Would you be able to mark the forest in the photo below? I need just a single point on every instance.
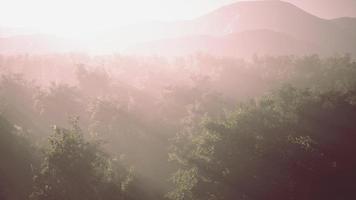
(198, 127)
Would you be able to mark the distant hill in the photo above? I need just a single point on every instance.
(241, 44)
(346, 23)
(328, 9)
(239, 29)
(37, 44)
(277, 18)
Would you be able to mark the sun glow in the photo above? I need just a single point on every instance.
(88, 18)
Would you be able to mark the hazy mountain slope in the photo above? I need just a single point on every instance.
(277, 16)
(328, 9)
(346, 23)
(242, 44)
(290, 22)
(37, 44)
(293, 25)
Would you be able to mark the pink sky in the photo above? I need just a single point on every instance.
(71, 16)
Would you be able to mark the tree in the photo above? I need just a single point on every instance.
(76, 169)
(293, 144)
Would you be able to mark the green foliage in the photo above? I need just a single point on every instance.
(185, 181)
(283, 146)
(58, 103)
(269, 128)
(76, 169)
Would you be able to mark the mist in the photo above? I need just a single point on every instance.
(231, 100)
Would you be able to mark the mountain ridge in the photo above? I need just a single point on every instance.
(241, 44)
(279, 18)
(327, 36)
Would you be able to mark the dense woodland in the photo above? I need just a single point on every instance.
(199, 127)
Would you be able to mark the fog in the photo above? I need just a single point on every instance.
(219, 107)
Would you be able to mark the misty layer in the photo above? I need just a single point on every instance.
(199, 127)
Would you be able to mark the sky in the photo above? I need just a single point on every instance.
(55, 15)
(67, 17)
